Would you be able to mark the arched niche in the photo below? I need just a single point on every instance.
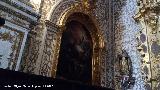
(60, 16)
(76, 51)
(98, 45)
(83, 16)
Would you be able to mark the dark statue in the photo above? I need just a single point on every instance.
(75, 57)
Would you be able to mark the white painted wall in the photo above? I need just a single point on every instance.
(129, 40)
(6, 46)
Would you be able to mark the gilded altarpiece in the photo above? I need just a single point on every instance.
(57, 14)
(118, 26)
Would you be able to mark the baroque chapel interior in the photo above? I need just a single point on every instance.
(80, 44)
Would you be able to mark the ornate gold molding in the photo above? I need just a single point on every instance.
(62, 10)
(148, 16)
(97, 38)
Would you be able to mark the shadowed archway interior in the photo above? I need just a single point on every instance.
(75, 56)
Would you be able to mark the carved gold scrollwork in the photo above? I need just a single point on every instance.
(148, 16)
(89, 4)
(97, 37)
(50, 53)
(152, 20)
(59, 16)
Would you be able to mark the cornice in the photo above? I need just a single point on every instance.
(26, 3)
(14, 4)
(17, 14)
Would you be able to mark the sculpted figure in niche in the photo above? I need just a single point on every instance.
(75, 57)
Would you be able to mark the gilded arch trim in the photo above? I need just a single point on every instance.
(98, 40)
